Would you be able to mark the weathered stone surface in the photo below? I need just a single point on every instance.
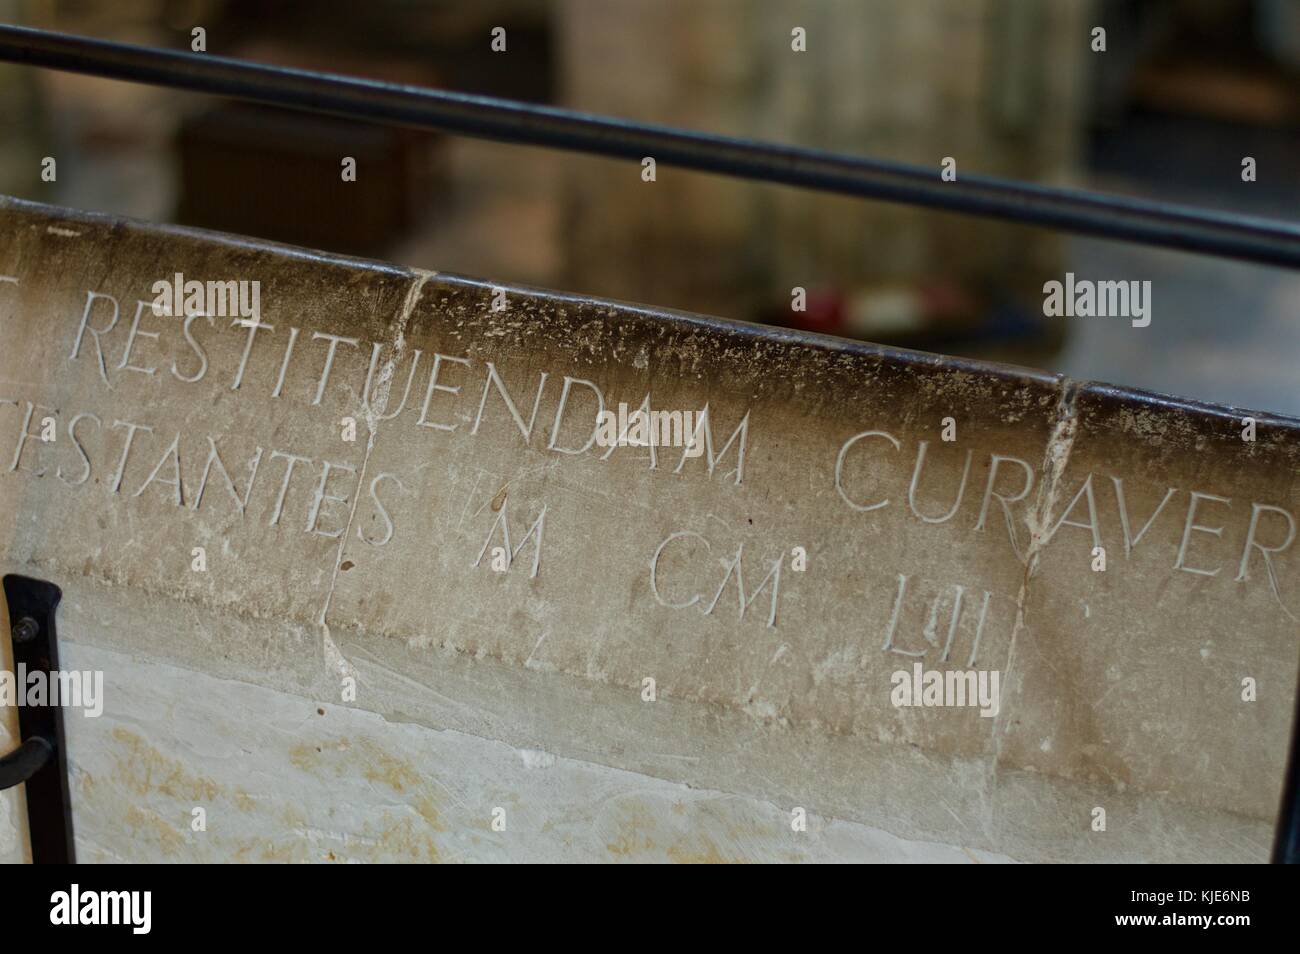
(329, 560)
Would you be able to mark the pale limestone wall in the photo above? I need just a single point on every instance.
(302, 782)
(524, 689)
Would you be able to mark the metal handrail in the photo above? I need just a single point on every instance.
(1249, 238)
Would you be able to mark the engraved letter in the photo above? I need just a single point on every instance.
(494, 378)
(126, 449)
(1255, 510)
(173, 451)
(1123, 514)
(135, 332)
(214, 458)
(293, 461)
(702, 422)
(24, 433)
(1005, 502)
(381, 511)
(198, 350)
(1084, 491)
(76, 442)
(774, 574)
(559, 414)
(384, 389)
(334, 341)
(95, 333)
(1190, 525)
(322, 496)
(248, 349)
(503, 521)
(654, 570)
(839, 467)
(438, 359)
(916, 477)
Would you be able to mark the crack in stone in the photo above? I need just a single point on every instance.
(334, 658)
(1060, 443)
(1056, 456)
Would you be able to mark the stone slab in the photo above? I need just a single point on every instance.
(333, 562)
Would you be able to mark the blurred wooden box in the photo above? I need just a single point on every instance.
(278, 175)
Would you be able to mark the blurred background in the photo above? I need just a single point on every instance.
(1184, 90)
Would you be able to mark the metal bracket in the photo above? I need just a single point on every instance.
(41, 760)
(1286, 837)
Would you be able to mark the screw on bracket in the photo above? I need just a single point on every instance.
(25, 630)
